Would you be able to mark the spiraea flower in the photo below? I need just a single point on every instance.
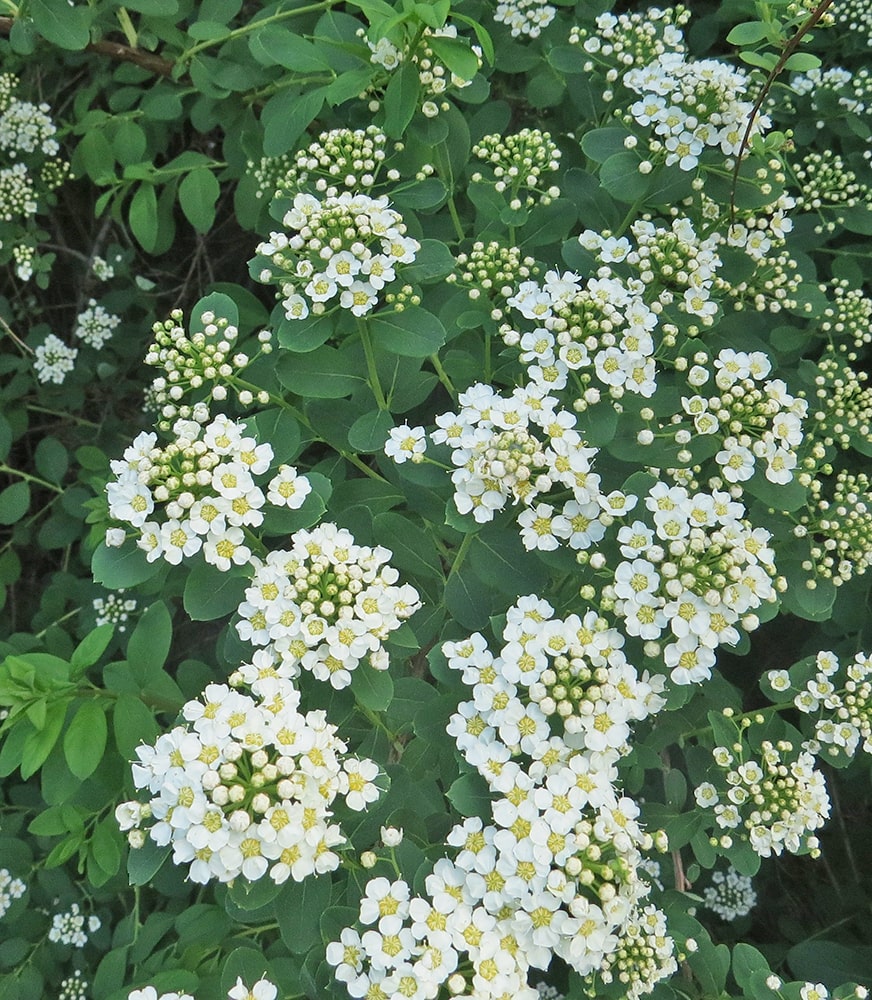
(95, 325)
(198, 492)
(53, 360)
(114, 609)
(730, 895)
(517, 164)
(622, 41)
(73, 927)
(11, 888)
(325, 604)
(245, 786)
(202, 362)
(339, 252)
(525, 17)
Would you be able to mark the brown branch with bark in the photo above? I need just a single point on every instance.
(115, 50)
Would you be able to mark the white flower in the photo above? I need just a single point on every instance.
(405, 442)
(287, 488)
(263, 989)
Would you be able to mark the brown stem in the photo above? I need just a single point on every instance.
(789, 49)
(115, 50)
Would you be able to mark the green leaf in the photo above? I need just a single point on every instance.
(297, 910)
(85, 739)
(368, 433)
(274, 45)
(412, 333)
(51, 459)
(749, 32)
(470, 796)
(747, 961)
(456, 54)
(324, 373)
(121, 568)
(132, 723)
(830, 962)
(282, 431)
(142, 215)
(91, 648)
(373, 689)
(149, 645)
(145, 862)
(198, 194)
(601, 143)
(427, 193)
(40, 742)
(14, 502)
(620, 176)
(802, 62)
(62, 24)
(285, 117)
(411, 547)
(211, 594)
(401, 99)
(302, 335)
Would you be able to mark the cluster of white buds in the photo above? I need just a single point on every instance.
(839, 697)
(844, 401)
(494, 271)
(246, 786)
(325, 604)
(840, 530)
(847, 320)
(203, 362)
(775, 803)
(525, 17)
(518, 161)
(622, 41)
(73, 987)
(199, 492)
(850, 89)
(342, 251)
(772, 287)
(825, 181)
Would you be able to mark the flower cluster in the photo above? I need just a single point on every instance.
(525, 17)
(53, 360)
(692, 105)
(692, 569)
(558, 871)
(840, 697)
(72, 927)
(246, 786)
(30, 170)
(492, 270)
(73, 987)
(775, 803)
(518, 162)
(851, 91)
(844, 399)
(114, 609)
(517, 448)
(825, 181)
(622, 41)
(263, 989)
(847, 319)
(325, 604)
(435, 78)
(730, 895)
(150, 993)
(840, 529)
(11, 888)
(344, 249)
(756, 419)
(340, 158)
(203, 360)
(95, 325)
(557, 686)
(205, 483)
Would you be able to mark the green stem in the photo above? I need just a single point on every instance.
(30, 479)
(282, 15)
(461, 554)
(67, 417)
(444, 377)
(371, 368)
(443, 162)
(376, 720)
(258, 95)
(769, 710)
(57, 621)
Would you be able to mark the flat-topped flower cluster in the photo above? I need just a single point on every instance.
(325, 604)
(342, 251)
(198, 492)
(246, 786)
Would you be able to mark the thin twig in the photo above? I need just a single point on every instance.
(789, 49)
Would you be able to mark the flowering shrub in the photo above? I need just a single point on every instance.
(436, 502)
